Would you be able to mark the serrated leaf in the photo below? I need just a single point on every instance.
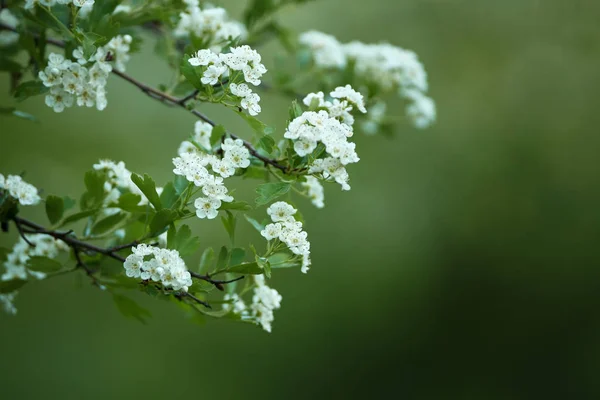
(180, 184)
(94, 183)
(130, 309)
(108, 223)
(55, 208)
(43, 264)
(182, 241)
(206, 260)
(11, 286)
(268, 192)
(148, 187)
(250, 268)
(161, 220)
(129, 202)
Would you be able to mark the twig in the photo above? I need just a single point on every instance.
(20, 229)
(197, 300)
(217, 283)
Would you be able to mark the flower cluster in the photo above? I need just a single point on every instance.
(29, 4)
(315, 191)
(84, 81)
(264, 301)
(326, 50)
(382, 66)
(211, 24)
(242, 59)
(193, 165)
(16, 261)
(331, 126)
(201, 136)
(159, 265)
(286, 229)
(25, 193)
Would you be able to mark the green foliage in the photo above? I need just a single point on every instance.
(148, 187)
(161, 220)
(130, 309)
(250, 268)
(257, 225)
(206, 260)
(229, 222)
(270, 191)
(257, 125)
(235, 205)
(181, 240)
(11, 286)
(107, 224)
(55, 208)
(29, 89)
(43, 264)
(94, 195)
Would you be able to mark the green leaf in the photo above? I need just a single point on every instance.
(270, 191)
(190, 73)
(29, 89)
(250, 268)
(183, 242)
(237, 256)
(130, 309)
(257, 125)
(129, 202)
(169, 195)
(94, 183)
(148, 187)
(68, 203)
(161, 220)
(217, 134)
(265, 265)
(108, 223)
(229, 223)
(235, 205)
(223, 258)
(295, 110)
(4, 252)
(267, 143)
(77, 216)
(180, 184)
(206, 260)
(257, 225)
(9, 65)
(11, 286)
(43, 264)
(55, 208)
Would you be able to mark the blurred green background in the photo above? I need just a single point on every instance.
(463, 264)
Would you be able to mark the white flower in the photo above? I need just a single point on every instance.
(241, 90)
(58, 99)
(25, 193)
(16, 261)
(281, 211)
(354, 97)
(203, 57)
(271, 231)
(264, 301)
(327, 52)
(211, 24)
(212, 74)
(160, 265)
(422, 109)
(317, 98)
(202, 133)
(315, 191)
(207, 207)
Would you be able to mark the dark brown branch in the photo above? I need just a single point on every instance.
(112, 252)
(197, 300)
